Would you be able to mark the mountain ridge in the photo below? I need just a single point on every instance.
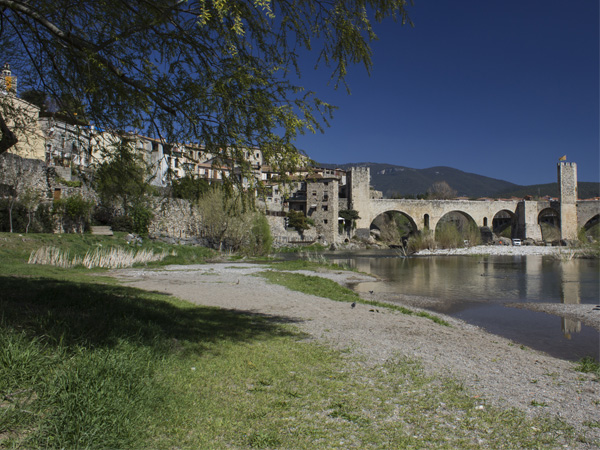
(394, 180)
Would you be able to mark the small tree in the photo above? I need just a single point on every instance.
(189, 188)
(298, 221)
(16, 173)
(78, 210)
(225, 220)
(123, 182)
(350, 217)
(440, 190)
(75, 209)
(260, 237)
(30, 199)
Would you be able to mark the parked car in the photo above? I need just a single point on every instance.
(516, 242)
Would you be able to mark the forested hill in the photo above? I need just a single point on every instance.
(395, 180)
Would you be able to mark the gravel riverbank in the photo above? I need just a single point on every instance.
(491, 367)
(497, 250)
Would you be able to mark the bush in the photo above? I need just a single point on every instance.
(447, 235)
(141, 217)
(260, 237)
(43, 221)
(299, 221)
(19, 216)
(472, 234)
(122, 223)
(102, 215)
(76, 210)
(421, 241)
(189, 188)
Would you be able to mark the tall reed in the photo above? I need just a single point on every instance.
(53, 256)
(113, 258)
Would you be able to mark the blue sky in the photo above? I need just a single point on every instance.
(501, 89)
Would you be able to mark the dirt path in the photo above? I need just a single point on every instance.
(501, 372)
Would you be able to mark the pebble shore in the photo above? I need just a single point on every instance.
(490, 367)
(497, 250)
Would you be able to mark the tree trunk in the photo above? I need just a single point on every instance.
(11, 203)
(8, 137)
(28, 222)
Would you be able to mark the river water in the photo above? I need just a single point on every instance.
(477, 289)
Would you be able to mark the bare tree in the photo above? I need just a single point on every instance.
(441, 190)
(16, 176)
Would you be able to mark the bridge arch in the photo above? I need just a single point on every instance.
(549, 222)
(393, 226)
(457, 226)
(592, 227)
(504, 223)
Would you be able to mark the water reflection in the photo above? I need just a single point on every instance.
(475, 288)
(570, 293)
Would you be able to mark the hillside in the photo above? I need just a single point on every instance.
(399, 180)
(392, 179)
(585, 190)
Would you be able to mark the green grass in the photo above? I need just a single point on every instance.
(307, 264)
(589, 365)
(300, 249)
(86, 363)
(16, 248)
(322, 287)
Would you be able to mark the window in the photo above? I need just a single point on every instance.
(325, 208)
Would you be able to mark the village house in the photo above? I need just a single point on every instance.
(70, 146)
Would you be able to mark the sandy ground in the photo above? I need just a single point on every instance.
(497, 370)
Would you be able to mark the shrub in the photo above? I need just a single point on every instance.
(448, 236)
(18, 213)
(75, 209)
(421, 241)
(43, 221)
(122, 223)
(260, 237)
(141, 216)
(298, 220)
(472, 234)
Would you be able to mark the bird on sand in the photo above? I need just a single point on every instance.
(353, 304)
(370, 292)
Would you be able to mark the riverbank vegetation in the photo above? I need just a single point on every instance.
(87, 363)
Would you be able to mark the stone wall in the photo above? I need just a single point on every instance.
(18, 173)
(21, 177)
(174, 218)
(284, 237)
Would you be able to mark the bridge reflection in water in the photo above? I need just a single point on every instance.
(479, 289)
(570, 293)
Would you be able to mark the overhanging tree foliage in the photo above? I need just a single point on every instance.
(210, 71)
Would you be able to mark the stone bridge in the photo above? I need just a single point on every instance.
(524, 216)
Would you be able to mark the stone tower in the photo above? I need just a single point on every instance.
(8, 82)
(567, 184)
(359, 194)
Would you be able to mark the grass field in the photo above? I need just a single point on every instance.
(86, 363)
